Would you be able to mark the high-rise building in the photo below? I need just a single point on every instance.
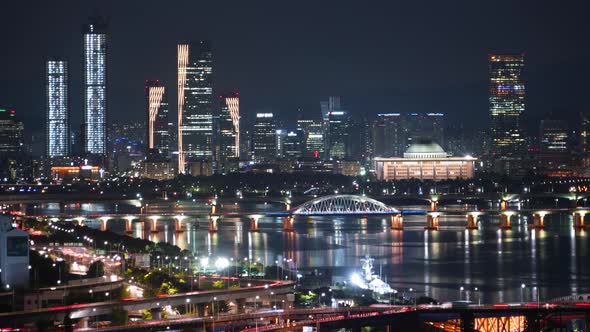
(229, 126)
(423, 126)
(58, 128)
(158, 132)
(195, 103)
(330, 105)
(293, 145)
(337, 140)
(264, 141)
(584, 132)
(388, 135)
(11, 133)
(507, 104)
(95, 87)
(553, 136)
(312, 137)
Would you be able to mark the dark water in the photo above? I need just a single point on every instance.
(551, 263)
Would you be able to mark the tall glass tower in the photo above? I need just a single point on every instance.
(58, 129)
(157, 116)
(195, 103)
(507, 95)
(95, 87)
(229, 126)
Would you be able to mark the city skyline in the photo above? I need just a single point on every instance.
(464, 93)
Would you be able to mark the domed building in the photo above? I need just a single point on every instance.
(424, 160)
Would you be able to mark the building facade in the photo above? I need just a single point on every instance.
(264, 141)
(11, 133)
(95, 88)
(312, 132)
(424, 161)
(228, 143)
(58, 111)
(507, 104)
(338, 132)
(195, 103)
(158, 132)
(553, 136)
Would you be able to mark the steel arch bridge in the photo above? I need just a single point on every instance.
(343, 204)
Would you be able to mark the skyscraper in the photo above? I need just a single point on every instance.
(158, 137)
(195, 103)
(553, 136)
(264, 142)
(229, 126)
(95, 87)
(388, 135)
(337, 140)
(11, 133)
(313, 137)
(507, 97)
(58, 128)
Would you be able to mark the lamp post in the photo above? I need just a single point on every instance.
(478, 296)
(255, 301)
(522, 287)
(461, 293)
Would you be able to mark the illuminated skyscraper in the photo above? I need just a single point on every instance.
(312, 137)
(11, 133)
(553, 136)
(95, 87)
(195, 103)
(264, 141)
(507, 97)
(338, 130)
(229, 126)
(58, 129)
(157, 114)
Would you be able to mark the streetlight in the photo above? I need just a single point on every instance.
(461, 293)
(522, 287)
(255, 300)
(478, 296)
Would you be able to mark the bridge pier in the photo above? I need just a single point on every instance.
(83, 323)
(538, 221)
(433, 205)
(288, 224)
(432, 222)
(178, 228)
(471, 221)
(103, 223)
(579, 219)
(154, 225)
(505, 221)
(254, 223)
(129, 225)
(503, 205)
(79, 221)
(397, 222)
(213, 224)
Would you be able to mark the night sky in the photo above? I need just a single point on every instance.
(379, 56)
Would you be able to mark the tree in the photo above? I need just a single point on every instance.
(119, 316)
(96, 269)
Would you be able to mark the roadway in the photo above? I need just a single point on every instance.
(77, 311)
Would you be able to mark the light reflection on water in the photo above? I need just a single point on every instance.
(436, 263)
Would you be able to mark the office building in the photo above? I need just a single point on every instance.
(11, 133)
(293, 145)
(337, 138)
(195, 103)
(95, 87)
(507, 104)
(57, 89)
(424, 160)
(264, 141)
(281, 135)
(553, 136)
(229, 127)
(330, 105)
(158, 133)
(388, 135)
(312, 137)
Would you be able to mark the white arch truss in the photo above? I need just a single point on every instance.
(343, 204)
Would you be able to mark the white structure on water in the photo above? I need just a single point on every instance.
(368, 280)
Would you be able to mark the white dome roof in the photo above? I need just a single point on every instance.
(425, 149)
